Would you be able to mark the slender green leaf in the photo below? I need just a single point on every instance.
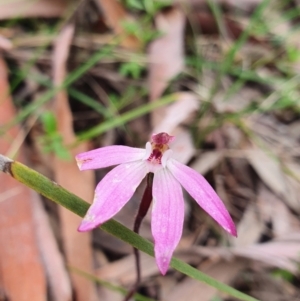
(126, 117)
(112, 287)
(61, 196)
(33, 107)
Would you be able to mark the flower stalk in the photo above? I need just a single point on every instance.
(143, 209)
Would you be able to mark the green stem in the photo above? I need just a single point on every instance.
(61, 196)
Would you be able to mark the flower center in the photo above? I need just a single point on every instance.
(159, 144)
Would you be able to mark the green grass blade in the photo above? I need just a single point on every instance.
(61, 196)
(244, 36)
(33, 107)
(89, 101)
(126, 117)
(110, 286)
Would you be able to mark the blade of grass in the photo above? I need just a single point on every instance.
(87, 100)
(244, 36)
(48, 35)
(229, 58)
(108, 285)
(126, 117)
(61, 196)
(33, 107)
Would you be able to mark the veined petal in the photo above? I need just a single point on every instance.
(196, 185)
(108, 156)
(167, 217)
(113, 192)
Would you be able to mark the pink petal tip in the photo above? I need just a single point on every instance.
(163, 263)
(199, 189)
(86, 225)
(233, 231)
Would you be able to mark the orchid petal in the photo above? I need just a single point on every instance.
(167, 217)
(109, 156)
(196, 185)
(113, 192)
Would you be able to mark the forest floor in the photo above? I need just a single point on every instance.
(222, 76)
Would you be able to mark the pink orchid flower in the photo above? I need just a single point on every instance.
(118, 186)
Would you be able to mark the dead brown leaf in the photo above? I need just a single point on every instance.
(59, 282)
(77, 245)
(293, 194)
(173, 117)
(245, 5)
(123, 271)
(268, 169)
(166, 54)
(22, 276)
(179, 112)
(166, 284)
(223, 271)
(105, 293)
(207, 161)
(228, 28)
(5, 44)
(115, 15)
(250, 227)
(273, 209)
(183, 145)
(29, 8)
(237, 102)
(293, 184)
(282, 252)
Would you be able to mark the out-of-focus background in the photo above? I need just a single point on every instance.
(222, 76)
